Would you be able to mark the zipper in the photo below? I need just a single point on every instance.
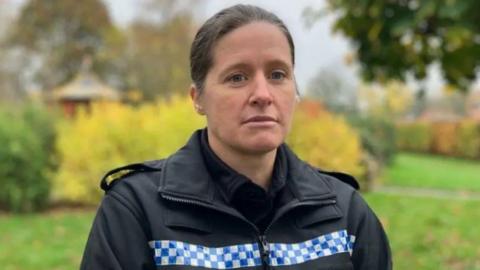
(264, 245)
(296, 204)
(262, 239)
(264, 251)
(209, 206)
(182, 200)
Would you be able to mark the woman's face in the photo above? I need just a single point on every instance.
(249, 92)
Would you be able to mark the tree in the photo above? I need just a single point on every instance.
(159, 46)
(449, 103)
(379, 106)
(57, 35)
(394, 38)
(335, 92)
(9, 88)
(392, 100)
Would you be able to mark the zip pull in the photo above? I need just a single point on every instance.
(265, 252)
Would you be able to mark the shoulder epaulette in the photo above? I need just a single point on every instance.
(346, 178)
(121, 172)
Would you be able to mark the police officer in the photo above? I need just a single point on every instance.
(235, 196)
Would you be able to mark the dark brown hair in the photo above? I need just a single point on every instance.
(220, 24)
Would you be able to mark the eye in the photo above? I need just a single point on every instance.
(237, 78)
(277, 75)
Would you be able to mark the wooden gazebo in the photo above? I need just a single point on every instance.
(84, 89)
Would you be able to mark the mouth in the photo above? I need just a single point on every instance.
(260, 119)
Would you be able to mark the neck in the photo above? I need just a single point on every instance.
(257, 167)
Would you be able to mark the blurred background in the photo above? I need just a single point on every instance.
(390, 94)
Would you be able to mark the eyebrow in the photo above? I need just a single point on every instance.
(277, 62)
(243, 66)
(232, 67)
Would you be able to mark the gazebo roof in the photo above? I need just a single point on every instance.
(85, 86)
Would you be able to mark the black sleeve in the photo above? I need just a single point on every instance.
(371, 250)
(117, 239)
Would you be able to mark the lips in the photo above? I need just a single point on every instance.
(260, 118)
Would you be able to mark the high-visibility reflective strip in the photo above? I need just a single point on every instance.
(180, 253)
(325, 245)
(171, 252)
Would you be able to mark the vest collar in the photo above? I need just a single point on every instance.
(185, 175)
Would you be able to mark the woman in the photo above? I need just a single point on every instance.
(235, 196)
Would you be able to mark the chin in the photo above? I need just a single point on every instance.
(263, 145)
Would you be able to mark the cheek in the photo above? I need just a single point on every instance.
(221, 109)
(287, 107)
(289, 118)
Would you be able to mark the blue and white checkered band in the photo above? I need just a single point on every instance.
(325, 245)
(229, 257)
(169, 252)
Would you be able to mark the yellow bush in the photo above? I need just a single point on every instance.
(325, 141)
(444, 138)
(468, 139)
(111, 135)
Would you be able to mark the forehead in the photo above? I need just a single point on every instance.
(250, 41)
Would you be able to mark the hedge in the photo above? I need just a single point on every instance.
(326, 140)
(26, 158)
(414, 136)
(460, 138)
(444, 138)
(112, 135)
(468, 139)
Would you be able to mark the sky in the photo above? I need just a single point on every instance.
(317, 48)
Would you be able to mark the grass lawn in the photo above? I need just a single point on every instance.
(43, 241)
(426, 234)
(424, 171)
(430, 234)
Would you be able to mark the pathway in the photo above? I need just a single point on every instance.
(429, 192)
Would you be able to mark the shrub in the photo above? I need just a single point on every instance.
(26, 164)
(325, 140)
(111, 135)
(461, 139)
(414, 136)
(444, 138)
(377, 135)
(468, 139)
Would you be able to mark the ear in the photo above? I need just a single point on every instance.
(297, 92)
(297, 98)
(195, 96)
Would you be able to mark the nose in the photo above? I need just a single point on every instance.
(261, 94)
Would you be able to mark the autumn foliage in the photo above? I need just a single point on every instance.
(459, 138)
(468, 139)
(444, 137)
(414, 136)
(325, 140)
(111, 135)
